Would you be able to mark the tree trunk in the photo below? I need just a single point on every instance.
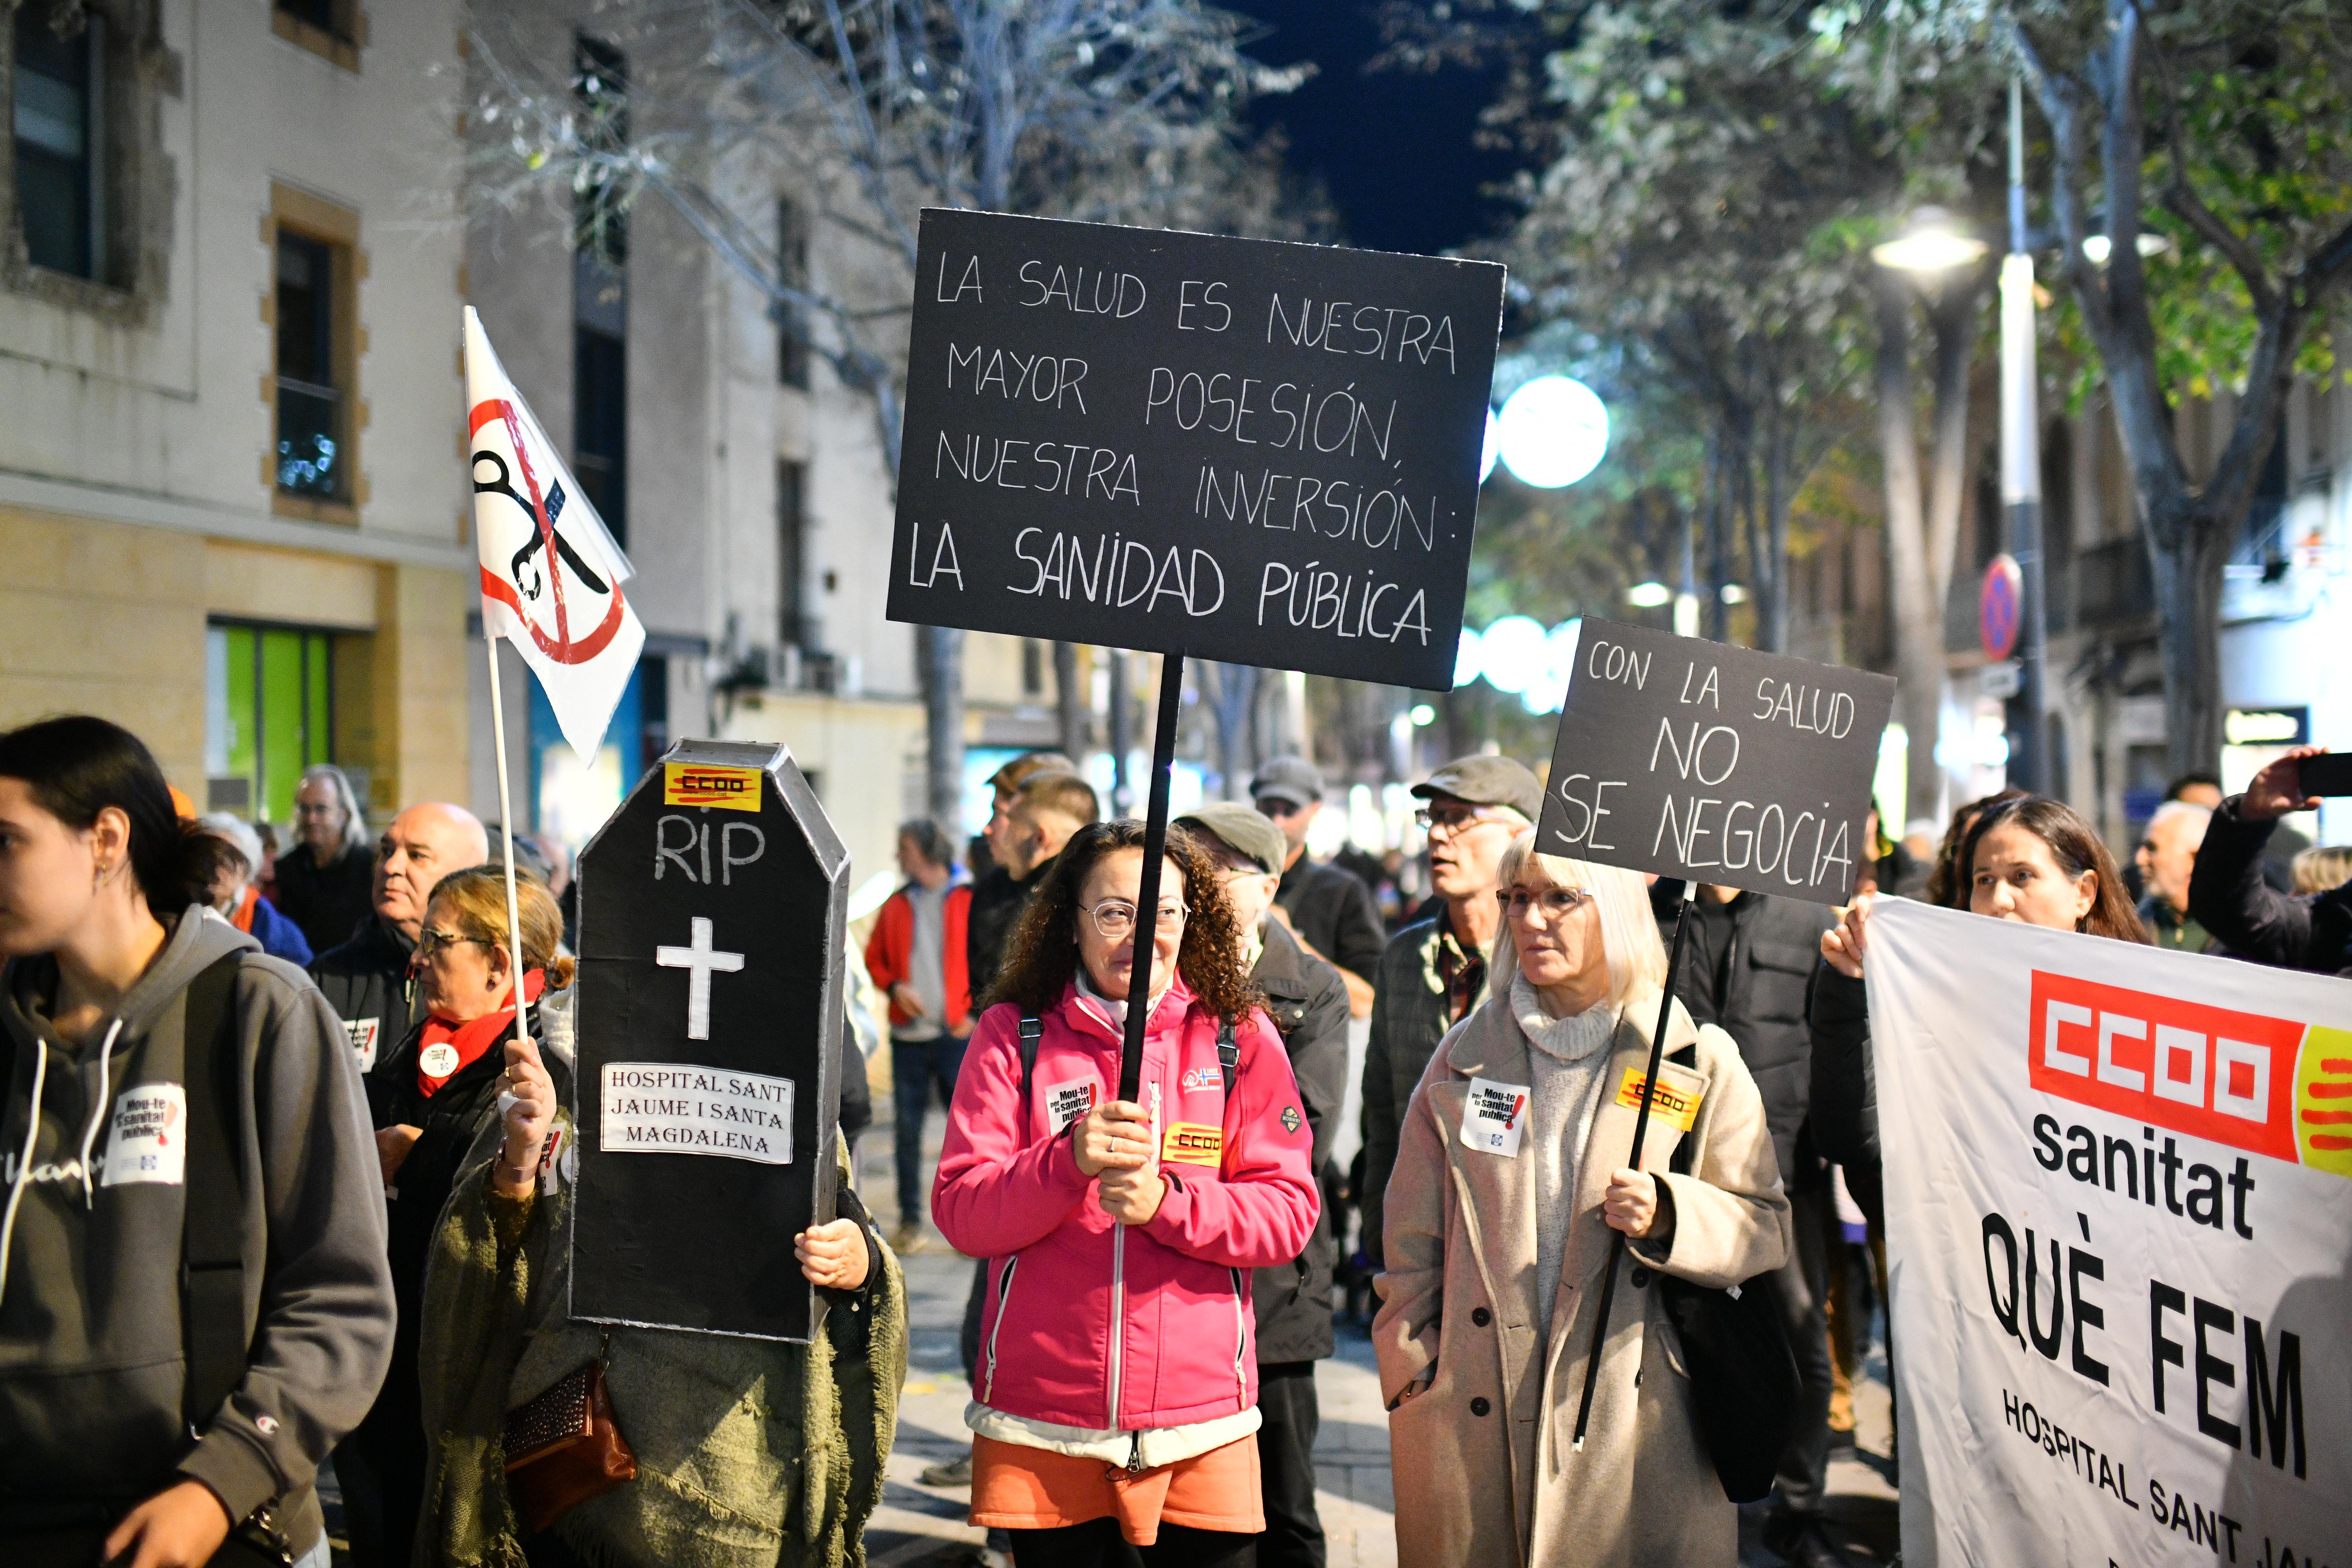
(2186, 562)
(1236, 695)
(939, 654)
(1071, 703)
(1121, 734)
(1919, 608)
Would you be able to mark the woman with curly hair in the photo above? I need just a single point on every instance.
(1116, 1398)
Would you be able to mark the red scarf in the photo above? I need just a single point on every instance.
(469, 1039)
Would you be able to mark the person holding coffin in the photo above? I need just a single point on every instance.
(1510, 1175)
(716, 1434)
(1116, 1404)
(1307, 999)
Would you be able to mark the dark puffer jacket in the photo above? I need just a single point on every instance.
(1309, 1004)
(1746, 971)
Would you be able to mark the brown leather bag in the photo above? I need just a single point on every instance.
(563, 1448)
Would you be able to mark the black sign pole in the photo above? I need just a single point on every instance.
(1641, 1129)
(1146, 897)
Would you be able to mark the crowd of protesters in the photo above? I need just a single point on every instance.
(285, 1184)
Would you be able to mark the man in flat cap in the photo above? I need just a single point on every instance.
(1329, 908)
(1308, 1003)
(1434, 971)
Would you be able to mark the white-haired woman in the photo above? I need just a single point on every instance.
(1510, 1173)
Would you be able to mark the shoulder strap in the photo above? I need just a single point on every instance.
(1229, 1055)
(1032, 1028)
(211, 1253)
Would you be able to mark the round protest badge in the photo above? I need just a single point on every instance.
(439, 1059)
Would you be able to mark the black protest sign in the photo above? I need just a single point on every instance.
(707, 1095)
(1698, 760)
(1244, 450)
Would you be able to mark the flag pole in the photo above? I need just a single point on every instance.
(506, 833)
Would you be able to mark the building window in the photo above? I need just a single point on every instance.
(600, 424)
(268, 714)
(791, 269)
(600, 84)
(599, 293)
(59, 89)
(334, 28)
(310, 413)
(796, 627)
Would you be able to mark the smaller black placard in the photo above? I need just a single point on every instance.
(1698, 759)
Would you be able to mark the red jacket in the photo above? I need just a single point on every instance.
(1103, 1326)
(891, 947)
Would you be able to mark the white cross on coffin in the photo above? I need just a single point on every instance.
(700, 959)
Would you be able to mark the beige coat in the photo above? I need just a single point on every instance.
(1484, 1472)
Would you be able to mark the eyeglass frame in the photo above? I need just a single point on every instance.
(429, 941)
(1578, 898)
(1427, 822)
(1176, 915)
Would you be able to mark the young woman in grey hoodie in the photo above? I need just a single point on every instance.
(123, 1167)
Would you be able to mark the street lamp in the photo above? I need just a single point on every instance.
(2096, 248)
(1933, 242)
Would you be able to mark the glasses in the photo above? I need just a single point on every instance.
(1557, 902)
(1452, 818)
(429, 941)
(1115, 917)
(317, 808)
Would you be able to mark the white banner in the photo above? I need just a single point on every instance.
(2120, 1233)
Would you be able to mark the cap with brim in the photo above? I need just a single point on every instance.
(1291, 778)
(1243, 830)
(1486, 781)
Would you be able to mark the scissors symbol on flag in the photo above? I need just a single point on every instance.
(535, 584)
(543, 577)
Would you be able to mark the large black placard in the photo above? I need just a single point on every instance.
(1242, 450)
(711, 915)
(1699, 759)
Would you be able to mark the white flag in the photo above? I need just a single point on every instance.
(552, 573)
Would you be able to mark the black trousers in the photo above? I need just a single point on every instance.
(1286, 1460)
(1098, 1544)
(1805, 1281)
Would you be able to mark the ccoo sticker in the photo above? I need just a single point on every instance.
(697, 784)
(1193, 1144)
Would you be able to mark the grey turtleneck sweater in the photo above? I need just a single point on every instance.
(1568, 1061)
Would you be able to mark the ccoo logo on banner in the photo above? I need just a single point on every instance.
(2120, 1236)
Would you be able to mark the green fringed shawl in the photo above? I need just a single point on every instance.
(749, 1454)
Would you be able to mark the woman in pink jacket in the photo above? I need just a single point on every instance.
(1117, 1394)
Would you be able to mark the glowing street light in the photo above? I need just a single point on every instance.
(1933, 241)
(2096, 248)
(1513, 652)
(1553, 432)
(1648, 595)
(1467, 657)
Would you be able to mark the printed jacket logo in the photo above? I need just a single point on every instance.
(1202, 1078)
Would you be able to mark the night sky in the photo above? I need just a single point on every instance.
(1392, 148)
